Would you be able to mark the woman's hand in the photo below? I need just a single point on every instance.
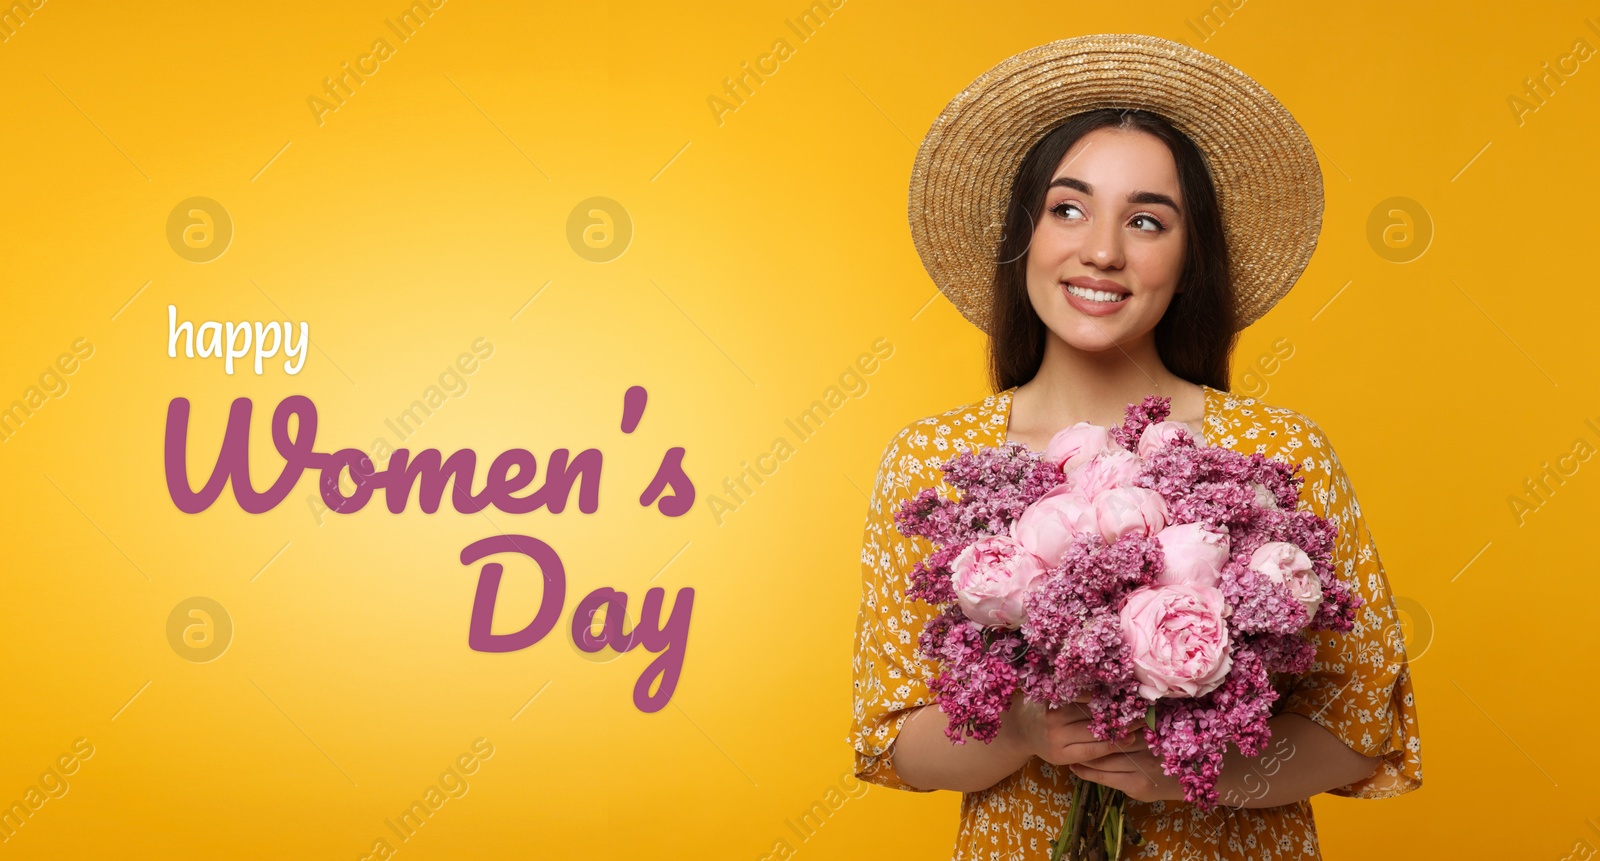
(1136, 772)
(1061, 736)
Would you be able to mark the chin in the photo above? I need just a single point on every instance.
(1090, 341)
(1087, 337)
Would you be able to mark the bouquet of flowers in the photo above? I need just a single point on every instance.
(1161, 579)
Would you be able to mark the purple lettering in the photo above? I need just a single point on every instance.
(501, 484)
(558, 481)
(667, 641)
(479, 636)
(616, 604)
(403, 473)
(670, 473)
(233, 458)
(362, 472)
(428, 472)
(633, 401)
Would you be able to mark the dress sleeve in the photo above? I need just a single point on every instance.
(1360, 685)
(891, 679)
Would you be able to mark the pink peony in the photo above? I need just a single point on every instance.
(1113, 467)
(1194, 553)
(990, 577)
(1120, 510)
(1178, 639)
(1072, 447)
(1049, 526)
(1157, 435)
(1285, 563)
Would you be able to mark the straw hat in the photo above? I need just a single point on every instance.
(1262, 164)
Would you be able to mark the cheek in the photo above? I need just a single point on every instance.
(1046, 254)
(1050, 245)
(1041, 287)
(1159, 265)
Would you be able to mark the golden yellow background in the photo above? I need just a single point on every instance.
(768, 251)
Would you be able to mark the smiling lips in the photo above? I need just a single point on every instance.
(1095, 297)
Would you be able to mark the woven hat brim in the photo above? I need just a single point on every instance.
(1265, 170)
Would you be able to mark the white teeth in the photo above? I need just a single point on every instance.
(1095, 295)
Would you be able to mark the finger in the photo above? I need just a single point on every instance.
(1087, 750)
(1112, 779)
(1084, 734)
(1132, 742)
(1110, 762)
(1068, 714)
(1144, 771)
(1136, 760)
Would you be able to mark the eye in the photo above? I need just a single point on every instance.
(1057, 210)
(1157, 225)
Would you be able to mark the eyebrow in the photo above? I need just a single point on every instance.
(1134, 197)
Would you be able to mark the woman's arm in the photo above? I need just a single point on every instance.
(1302, 760)
(925, 757)
(1360, 688)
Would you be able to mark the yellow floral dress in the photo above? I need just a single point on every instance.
(1359, 688)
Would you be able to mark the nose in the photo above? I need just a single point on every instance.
(1102, 246)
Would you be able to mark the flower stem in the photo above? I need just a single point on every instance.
(1096, 824)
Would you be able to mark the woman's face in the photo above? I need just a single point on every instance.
(1113, 220)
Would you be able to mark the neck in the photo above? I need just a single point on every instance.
(1077, 385)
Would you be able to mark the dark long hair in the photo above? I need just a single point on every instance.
(1195, 336)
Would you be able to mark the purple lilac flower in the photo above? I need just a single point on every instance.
(1071, 644)
(974, 697)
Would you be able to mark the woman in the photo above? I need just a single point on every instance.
(1136, 244)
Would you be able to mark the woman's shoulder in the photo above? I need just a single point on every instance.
(922, 444)
(1251, 425)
